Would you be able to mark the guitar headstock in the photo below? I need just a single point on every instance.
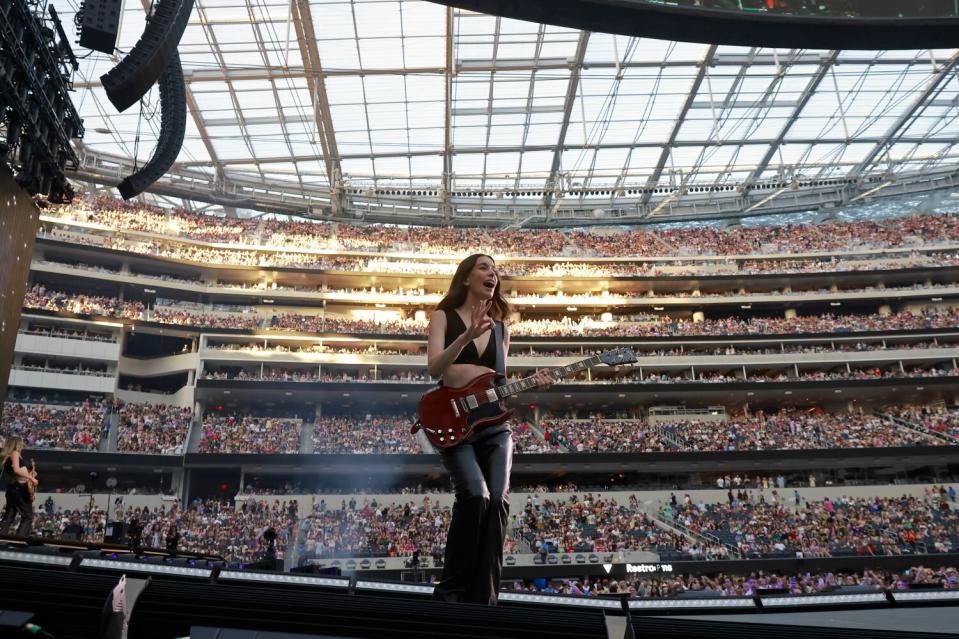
(618, 356)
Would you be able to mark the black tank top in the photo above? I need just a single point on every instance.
(8, 475)
(469, 355)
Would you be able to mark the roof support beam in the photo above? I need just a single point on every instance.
(680, 119)
(288, 197)
(807, 93)
(447, 181)
(573, 147)
(932, 88)
(574, 75)
(303, 22)
(204, 135)
(260, 38)
(191, 76)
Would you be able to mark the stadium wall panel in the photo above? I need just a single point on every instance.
(19, 220)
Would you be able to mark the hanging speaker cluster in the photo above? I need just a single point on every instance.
(172, 130)
(153, 59)
(99, 24)
(133, 76)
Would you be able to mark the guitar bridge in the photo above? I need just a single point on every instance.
(456, 408)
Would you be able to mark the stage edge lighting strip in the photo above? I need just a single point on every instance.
(662, 604)
(394, 587)
(35, 558)
(129, 566)
(519, 597)
(296, 580)
(929, 595)
(826, 600)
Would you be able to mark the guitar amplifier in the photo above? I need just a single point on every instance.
(115, 532)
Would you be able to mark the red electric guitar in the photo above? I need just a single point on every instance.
(448, 415)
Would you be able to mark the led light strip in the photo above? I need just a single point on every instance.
(672, 604)
(394, 587)
(928, 595)
(298, 580)
(583, 602)
(35, 558)
(823, 600)
(131, 566)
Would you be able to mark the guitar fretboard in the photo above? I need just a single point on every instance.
(526, 383)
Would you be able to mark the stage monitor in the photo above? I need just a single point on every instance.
(115, 532)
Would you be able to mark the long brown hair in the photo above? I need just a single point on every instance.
(10, 446)
(456, 295)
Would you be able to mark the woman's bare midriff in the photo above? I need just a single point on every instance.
(458, 375)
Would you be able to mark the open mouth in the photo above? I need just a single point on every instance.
(490, 284)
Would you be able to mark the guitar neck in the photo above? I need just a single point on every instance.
(513, 388)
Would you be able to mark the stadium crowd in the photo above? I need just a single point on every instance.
(749, 585)
(592, 523)
(832, 527)
(280, 375)
(148, 428)
(371, 435)
(938, 420)
(38, 297)
(911, 230)
(526, 441)
(373, 530)
(249, 434)
(642, 325)
(209, 526)
(282, 257)
(794, 429)
(46, 425)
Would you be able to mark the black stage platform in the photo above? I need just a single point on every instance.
(66, 591)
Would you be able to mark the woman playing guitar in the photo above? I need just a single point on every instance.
(19, 481)
(461, 346)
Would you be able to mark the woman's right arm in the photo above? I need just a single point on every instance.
(22, 470)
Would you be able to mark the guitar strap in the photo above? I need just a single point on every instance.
(498, 344)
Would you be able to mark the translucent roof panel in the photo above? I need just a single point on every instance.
(408, 92)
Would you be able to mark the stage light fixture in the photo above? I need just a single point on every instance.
(925, 595)
(869, 598)
(737, 603)
(132, 566)
(393, 586)
(36, 113)
(579, 602)
(282, 578)
(35, 558)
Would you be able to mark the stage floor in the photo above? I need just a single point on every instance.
(943, 620)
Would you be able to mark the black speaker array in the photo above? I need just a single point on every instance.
(133, 76)
(101, 22)
(172, 130)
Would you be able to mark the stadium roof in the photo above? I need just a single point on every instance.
(413, 111)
